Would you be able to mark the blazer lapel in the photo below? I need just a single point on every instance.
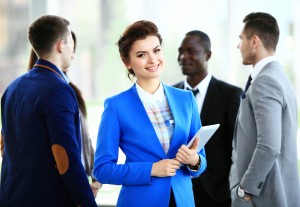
(144, 119)
(175, 109)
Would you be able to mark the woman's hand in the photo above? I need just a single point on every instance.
(164, 168)
(95, 186)
(187, 155)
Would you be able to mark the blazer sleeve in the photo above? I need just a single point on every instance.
(106, 169)
(232, 110)
(60, 113)
(195, 126)
(267, 108)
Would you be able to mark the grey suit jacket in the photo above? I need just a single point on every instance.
(264, 145)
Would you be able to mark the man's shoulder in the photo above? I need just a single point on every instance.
(15, 85)
(226, 86)
(179, 85)
(17, 80)
(176, 90)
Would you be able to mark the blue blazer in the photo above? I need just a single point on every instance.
(126, 124)
(40, 109)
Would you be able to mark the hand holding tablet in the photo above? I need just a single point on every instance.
(204, 133)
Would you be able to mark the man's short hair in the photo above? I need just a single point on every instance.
(203, 38)
(45, 31)
(263, 25)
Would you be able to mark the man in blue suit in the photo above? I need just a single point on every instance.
(41, 159)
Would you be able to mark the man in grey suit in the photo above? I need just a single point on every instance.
(264, 172)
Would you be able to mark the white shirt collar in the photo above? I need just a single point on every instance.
(146, 97)
(67, 79)
(260, 64)
(202, 86)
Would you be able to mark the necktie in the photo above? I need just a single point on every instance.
(247, 86)
(195, 92)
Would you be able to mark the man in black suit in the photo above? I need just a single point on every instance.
(218, 102)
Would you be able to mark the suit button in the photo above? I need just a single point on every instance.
(260, 185)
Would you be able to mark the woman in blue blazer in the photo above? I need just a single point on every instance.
(151, 123)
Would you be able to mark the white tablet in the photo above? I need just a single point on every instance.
(204, 133)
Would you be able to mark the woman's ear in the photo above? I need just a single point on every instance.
(126, 63)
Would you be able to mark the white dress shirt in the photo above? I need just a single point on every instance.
(260, 64)
(202, 87)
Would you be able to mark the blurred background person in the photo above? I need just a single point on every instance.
(218, 103)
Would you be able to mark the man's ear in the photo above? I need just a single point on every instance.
(60, 46)
(255, 41)
(208, 55)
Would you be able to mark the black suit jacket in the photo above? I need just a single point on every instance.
(220, 105)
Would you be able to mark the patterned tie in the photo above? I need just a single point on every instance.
(195, 92)
(247, 86)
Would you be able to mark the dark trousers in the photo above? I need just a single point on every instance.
(202, 199)
(172, 199)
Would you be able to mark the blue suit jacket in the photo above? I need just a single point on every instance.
(125, 124)
(40, 109)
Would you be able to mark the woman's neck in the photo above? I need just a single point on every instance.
(150, 86)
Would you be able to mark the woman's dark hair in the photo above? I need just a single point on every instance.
(80, 100)
(74, 39)
(136, 31)
(32, 59)
(81, 103)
